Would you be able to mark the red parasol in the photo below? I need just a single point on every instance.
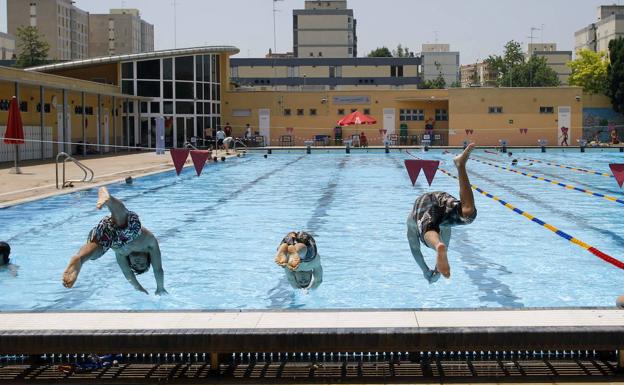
(15, 131)
(356, 118)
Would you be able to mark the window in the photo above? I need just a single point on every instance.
(155, 107)
(144, 107)
(148, 69)
(127, 87)
(184, 90)
(299, 111)
(547, 110)
(168, 108)
(185, 108)
(184, 68)
(441, 114)
(341, 111)
(167, 69)
(367, 111)
(127, 70)
(311, 54)
(495, 110)
(147, 88)
(312, 111)
(408, 115)
(353, 109)
(287, 112)
(168, 90)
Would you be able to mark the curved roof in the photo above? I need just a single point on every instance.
(137, 56)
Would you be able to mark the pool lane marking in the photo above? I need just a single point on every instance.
(555, 182)
(598, 253)
(561, 166)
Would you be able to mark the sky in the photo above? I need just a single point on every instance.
(475, 28)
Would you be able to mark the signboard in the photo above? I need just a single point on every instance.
(351, 100)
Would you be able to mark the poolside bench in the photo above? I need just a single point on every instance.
(312, 331)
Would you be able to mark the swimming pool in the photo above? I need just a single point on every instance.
(218, 234)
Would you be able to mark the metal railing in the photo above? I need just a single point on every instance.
(88, 173)
(238, 141)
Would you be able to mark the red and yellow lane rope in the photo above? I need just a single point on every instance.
(598, 253)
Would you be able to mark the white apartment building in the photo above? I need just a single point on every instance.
(557, 60)
(439, 60)
(324, 29)
(7, 46)
(120, 32)
(596, 36)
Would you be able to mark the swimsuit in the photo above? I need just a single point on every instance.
(107, 234)
(306, 239)
(435, 209)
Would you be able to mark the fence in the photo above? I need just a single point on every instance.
(31, 149)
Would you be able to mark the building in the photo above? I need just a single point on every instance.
(596, 36)
(7, 47)
(64, 26)
(326, 73)
(121, 32)
(557, 60)
(183, 85)
(438, 60)
(477, 75)
(324, 29)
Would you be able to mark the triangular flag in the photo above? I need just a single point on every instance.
(413, 169)
(179, 155)
(430, 167)
(199, 159)
(618, 172)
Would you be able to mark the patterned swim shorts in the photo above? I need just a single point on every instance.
(107, 234)
(435, 209)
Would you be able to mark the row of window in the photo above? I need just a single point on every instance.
(313, 111)
(499, 110)
(183, 90)
(200, 68)
(4, 106)
(182, 108)
(413, 115)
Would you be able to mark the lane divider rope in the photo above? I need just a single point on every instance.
(598, 253)
(556, 183)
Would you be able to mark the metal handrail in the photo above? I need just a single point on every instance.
(88, 173)
(239, 141)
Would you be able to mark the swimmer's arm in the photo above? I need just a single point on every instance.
(122, 261)
(318, 276)
(414, 243)
(159, 274)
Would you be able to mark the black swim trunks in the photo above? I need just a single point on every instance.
(435, 209)
(306, 239)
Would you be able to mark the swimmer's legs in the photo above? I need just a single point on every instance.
(282, 255)
(118, 210)
(465, 191)
(433, 240)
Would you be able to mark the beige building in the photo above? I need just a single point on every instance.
(7, 46)
(120, 32)
(65, 26)
(596, 36)
(477, 75)
(324, 29)
(439, 60)
(557, 60)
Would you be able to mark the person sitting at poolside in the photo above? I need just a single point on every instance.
(363, 140)
(220, 137)
(298, 255)
(433, 216)
(135, 246)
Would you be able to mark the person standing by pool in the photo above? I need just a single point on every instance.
(433, 216)
(298, 255)
(135, 246)
(220, 136)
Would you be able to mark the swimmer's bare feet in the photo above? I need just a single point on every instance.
(281, 259)
(103, 197)
(442, 264)
(293, 261)
(461, 159)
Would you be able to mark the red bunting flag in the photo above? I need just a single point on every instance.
(618, 172)
(199, 159)
(179, 155)
(413, 166)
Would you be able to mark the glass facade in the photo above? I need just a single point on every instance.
(186, 91)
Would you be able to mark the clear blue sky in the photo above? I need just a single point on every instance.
(475, 28)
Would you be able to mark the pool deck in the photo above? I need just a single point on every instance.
(38, 178)
(275, 331)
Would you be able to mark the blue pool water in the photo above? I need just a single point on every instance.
(218, 234)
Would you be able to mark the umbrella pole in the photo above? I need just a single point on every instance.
(16, 169)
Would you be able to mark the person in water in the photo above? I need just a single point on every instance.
(298, 255)
(135, 247)
(434, 214)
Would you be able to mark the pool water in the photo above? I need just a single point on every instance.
(218, 234)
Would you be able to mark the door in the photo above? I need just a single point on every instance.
(264, 125)
(389, 121)
(184, 130)
(106, 131)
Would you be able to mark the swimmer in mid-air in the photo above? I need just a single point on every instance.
(433, 216)
(135, 246)
(298, 255)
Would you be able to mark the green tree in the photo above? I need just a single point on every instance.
(615, 81)
(32, 47)
(514, 71)
(590, 71)
(401, 51)
(380, 52)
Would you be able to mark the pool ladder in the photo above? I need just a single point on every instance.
(88, 173)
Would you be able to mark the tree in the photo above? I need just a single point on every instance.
(402, 52)
(32, 48)
(590, 71)
(615, 82)
(380, 52)
(514, 71)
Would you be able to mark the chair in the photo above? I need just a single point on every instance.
(413, 139)
(286, 140)
(259, 140)
(322, 140)
(393, 139)
(355, 140)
